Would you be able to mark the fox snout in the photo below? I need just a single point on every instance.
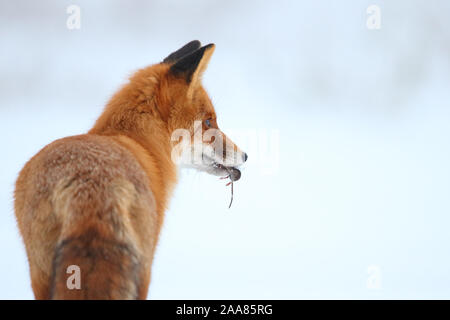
(232, 154)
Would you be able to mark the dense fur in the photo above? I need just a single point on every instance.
(97, 200)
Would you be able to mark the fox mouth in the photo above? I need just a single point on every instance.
(227, 172)
(233, 173)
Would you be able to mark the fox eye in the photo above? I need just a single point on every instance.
(208, 123)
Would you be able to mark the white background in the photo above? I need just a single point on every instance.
(362, 119)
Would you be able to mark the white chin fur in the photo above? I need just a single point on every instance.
(210, 169)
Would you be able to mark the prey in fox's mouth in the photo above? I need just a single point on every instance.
(231, 172)
(208, 161)
(234, 174)
(224, 169)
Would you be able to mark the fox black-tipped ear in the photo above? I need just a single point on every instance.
(180, 53)
(192, 66)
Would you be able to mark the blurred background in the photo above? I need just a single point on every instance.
(346, 190)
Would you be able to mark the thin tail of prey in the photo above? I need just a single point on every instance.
(93, 266)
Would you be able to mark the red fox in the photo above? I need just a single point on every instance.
(97, 200)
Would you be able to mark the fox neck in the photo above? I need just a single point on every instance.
(139, 127)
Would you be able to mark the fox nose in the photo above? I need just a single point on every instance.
(245, 156)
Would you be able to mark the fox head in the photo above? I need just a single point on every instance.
(203, 145)
(167, 102)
